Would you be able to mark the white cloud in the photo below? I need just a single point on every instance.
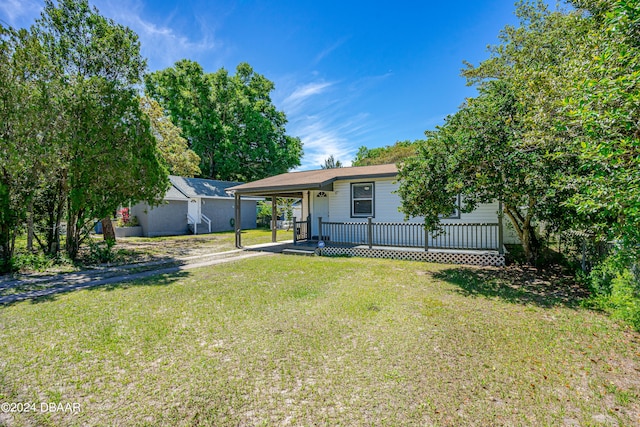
(160, 43)
(20, 13)
(319, 57)
(321, 114)
(293, 102)
(325, 134)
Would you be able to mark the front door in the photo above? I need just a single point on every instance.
(194, 210)
(320, 210)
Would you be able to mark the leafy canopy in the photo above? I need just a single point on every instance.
(384, 155)
(174, 149)
(229, 121)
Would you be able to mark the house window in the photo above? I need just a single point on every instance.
(362, 200)
(456, 211)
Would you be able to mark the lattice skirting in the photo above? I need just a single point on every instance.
(479, 258)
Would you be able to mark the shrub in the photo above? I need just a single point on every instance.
(615, 285)
(102, 252)
(31, 262)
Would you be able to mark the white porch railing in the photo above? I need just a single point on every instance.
(476, 236)
(191, 220)
(206, 220)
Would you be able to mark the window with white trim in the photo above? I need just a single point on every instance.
(362, 200)
(456, 212)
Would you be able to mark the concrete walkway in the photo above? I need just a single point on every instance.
(42, 286)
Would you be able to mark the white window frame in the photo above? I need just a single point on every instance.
(456, 212)
(372, 198)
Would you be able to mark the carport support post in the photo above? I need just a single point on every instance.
(274, 219)
(500, 230)
(295, 231)
(237, 221)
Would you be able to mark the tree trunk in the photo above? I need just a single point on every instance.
(530, 245)
(526, 233)
(30, 226)
(108, 232)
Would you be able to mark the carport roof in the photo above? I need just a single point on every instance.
(323, 179)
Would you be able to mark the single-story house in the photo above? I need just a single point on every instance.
(359, 207)
(195, 205)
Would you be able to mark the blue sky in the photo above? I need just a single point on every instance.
(347, 73)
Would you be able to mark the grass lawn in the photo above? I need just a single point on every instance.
(280, 340)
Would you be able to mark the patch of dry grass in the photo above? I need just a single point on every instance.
(143, 249)
(319, 341)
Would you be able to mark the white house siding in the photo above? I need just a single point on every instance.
(386, 204)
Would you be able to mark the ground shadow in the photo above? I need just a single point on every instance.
(548, 287)
(38, 293)
(161, 279)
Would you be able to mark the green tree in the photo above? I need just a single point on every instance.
(12, 197)
(331, 163)
(603, 114)
(507, 144)
(106, 154)
(26, 118)
(229, 121)
(384, 155)
(174, 149)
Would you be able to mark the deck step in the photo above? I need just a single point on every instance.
(302, 252)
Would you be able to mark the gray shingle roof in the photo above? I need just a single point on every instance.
(199, 187)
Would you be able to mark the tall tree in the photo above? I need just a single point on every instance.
(331, 163)
(106, 154)
(604, 116)
(229, 121)
(27, 116)
(507, 143)
(12, 140)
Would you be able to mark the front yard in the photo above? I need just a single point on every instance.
(283, 340)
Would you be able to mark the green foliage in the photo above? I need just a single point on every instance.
(264, 212)
(615, 284)
(77, 141)
(604, 113)
(32, 262)
(230, 121)
(131, 221)
(102, 251)
(385, 155)
(509, 143)
(284, 208)
(174, 149)
(20, 121)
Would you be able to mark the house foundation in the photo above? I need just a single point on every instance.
(484, 258)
